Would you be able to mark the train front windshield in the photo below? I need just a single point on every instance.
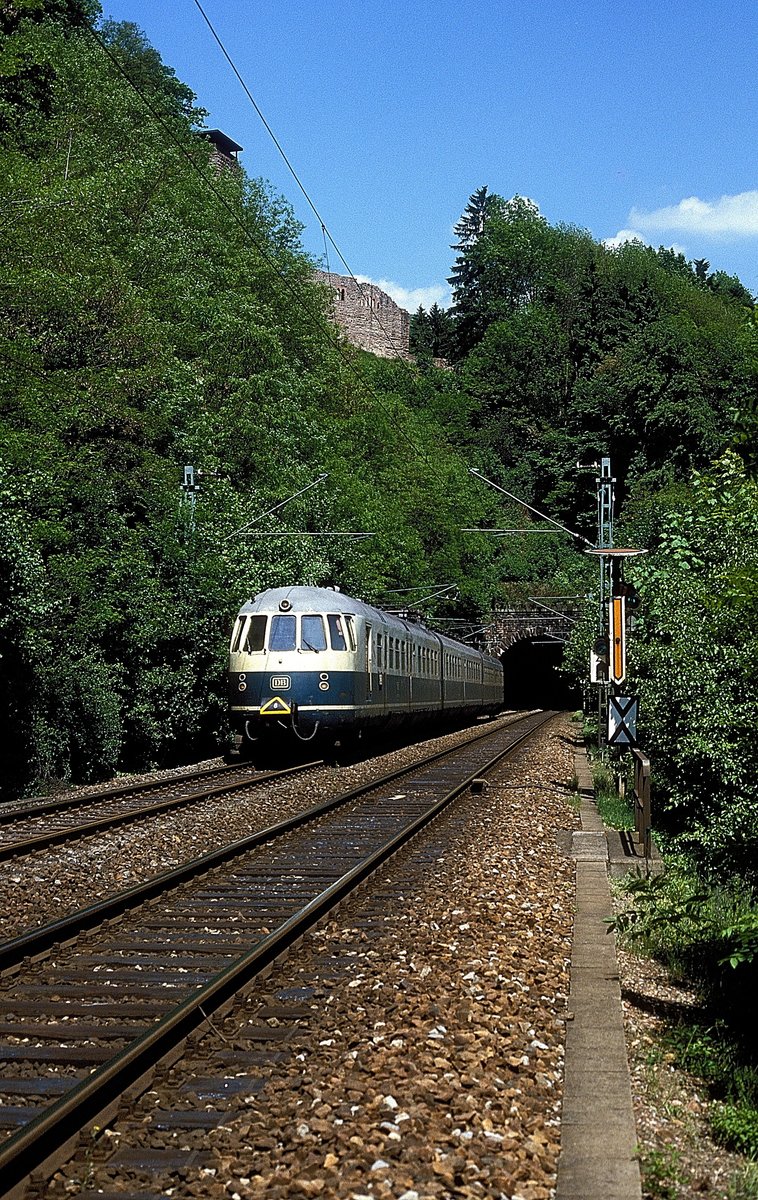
(282, 635)
(312, 636)
(287, 632)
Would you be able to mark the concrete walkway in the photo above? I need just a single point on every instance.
(598, 1136)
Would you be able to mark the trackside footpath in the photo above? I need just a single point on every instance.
(598, 1138)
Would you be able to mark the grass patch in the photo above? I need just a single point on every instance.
(661, 1173)
(703, 933)
(616, 811)
(745, 1185)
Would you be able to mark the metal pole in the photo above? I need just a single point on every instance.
(189, 486)
(605, 498)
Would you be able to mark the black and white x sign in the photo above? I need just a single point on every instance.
(622, 720)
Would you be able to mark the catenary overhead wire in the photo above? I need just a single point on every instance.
(315, 318)
(299, 182)
(324, 229)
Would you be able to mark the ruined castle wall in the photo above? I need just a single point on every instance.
(369, 317)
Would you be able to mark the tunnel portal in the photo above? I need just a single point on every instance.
(533, 678)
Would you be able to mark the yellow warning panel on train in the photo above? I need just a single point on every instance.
(276, 707)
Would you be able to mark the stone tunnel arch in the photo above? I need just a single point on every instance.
(529, 641)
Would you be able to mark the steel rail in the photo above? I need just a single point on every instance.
(37, 941)
(56, 837)
(43, 1137)
(8, 814)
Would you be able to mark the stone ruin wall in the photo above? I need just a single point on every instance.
(369, 317)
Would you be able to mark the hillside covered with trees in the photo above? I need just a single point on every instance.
(157, 312)
(565, 350)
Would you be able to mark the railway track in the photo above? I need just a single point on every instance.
(96, 1016)
(37, 826)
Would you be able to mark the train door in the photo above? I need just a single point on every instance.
(380, 652)
(369, 663)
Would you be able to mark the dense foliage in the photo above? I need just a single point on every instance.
(695, 648)
(568, 350)
(157, 312)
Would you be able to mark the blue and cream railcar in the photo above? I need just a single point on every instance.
(314, 661)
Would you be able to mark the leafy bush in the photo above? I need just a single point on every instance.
(693, 653)
(662, 1174)
(736, 1127)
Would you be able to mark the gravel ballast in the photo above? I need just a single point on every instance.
(427, 1059)
(45, 886)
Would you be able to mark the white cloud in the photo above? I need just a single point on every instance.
(411, 298)
(729, 216)
(631, 235)
(624, 235)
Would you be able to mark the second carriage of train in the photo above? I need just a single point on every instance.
(314, 663)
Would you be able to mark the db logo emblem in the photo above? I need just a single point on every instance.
(280, 683)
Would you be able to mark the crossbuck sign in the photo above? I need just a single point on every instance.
(622, 720)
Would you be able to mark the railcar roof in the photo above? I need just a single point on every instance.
(307, 599)
(326, 600)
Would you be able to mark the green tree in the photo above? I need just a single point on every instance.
(694, 648)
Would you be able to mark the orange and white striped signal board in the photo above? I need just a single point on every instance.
(617, 665)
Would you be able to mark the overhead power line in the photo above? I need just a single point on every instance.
(315, 318)
(572, 532)
(293, 172)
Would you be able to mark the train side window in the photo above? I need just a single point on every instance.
(312, 636)
(255, 635)
(282, 636)
(350, 627)
(379, 652)
(236, 635)
(336, 632)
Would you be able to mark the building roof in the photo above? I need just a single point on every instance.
(221, 141)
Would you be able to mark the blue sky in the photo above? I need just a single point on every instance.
(621, 115)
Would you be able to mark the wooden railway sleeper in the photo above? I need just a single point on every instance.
(96, 1090)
